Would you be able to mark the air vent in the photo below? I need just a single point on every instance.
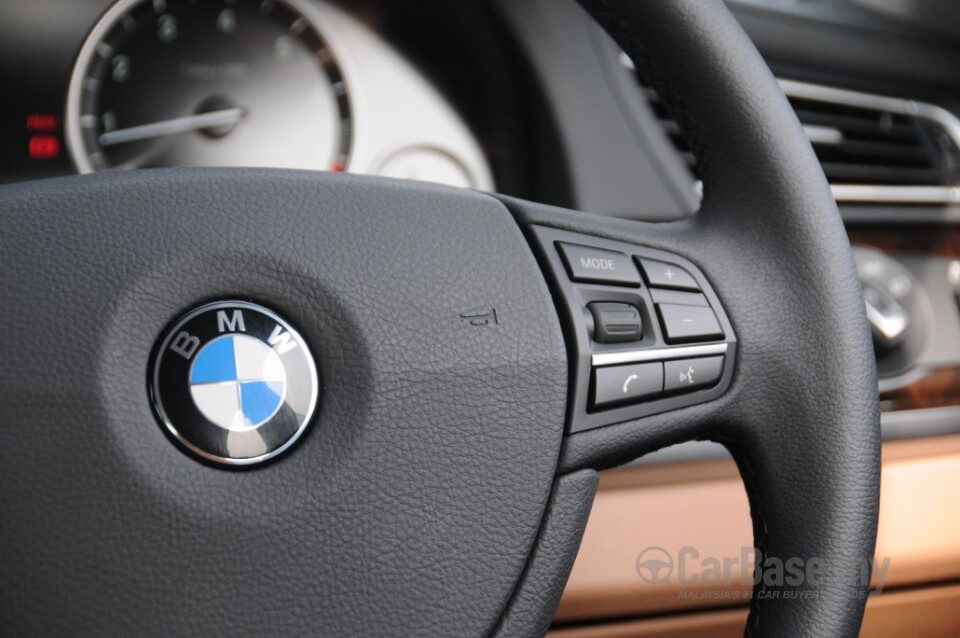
(872, 148)
(862, 146)
(880, 149)
(671, 128)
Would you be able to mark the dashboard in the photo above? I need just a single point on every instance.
(532, 99)
(304, 84)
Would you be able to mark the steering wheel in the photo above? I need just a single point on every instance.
(466, 388)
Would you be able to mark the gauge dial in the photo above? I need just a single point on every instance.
(208, 83)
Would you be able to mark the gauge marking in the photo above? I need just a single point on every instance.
(227, 21)
(167, 29)
(180, 81)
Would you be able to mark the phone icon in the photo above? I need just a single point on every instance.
(626, 384)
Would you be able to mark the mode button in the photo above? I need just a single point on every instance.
(585, 263)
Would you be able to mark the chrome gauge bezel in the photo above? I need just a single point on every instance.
(79, 151)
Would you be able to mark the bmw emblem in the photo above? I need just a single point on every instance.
(234, 383)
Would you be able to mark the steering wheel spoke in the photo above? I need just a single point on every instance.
(772, 389)
(646, 331)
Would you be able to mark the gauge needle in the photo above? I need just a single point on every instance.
(175, 126)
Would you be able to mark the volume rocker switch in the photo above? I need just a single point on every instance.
(683, 324)
(616, 322)
(663, 275)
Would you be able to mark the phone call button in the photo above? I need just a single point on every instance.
(621, 385)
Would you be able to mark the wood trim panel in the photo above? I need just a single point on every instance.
(937, 388)
(933, 239)
(930, 612)
(703, 505)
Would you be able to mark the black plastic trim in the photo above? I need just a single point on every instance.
(573, 297)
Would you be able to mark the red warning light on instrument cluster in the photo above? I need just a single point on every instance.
(43, 145)
(42, 122)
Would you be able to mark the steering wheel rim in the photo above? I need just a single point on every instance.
(730, 109)
(438, 465)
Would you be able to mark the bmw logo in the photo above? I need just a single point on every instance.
(234, 383)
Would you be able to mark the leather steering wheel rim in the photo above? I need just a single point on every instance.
(764, 186)
(441, 488)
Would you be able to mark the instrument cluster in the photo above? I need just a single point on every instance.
(296, 84)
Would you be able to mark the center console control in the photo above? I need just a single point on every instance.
(649, 332)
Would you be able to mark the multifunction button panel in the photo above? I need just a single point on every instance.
(649, 332)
